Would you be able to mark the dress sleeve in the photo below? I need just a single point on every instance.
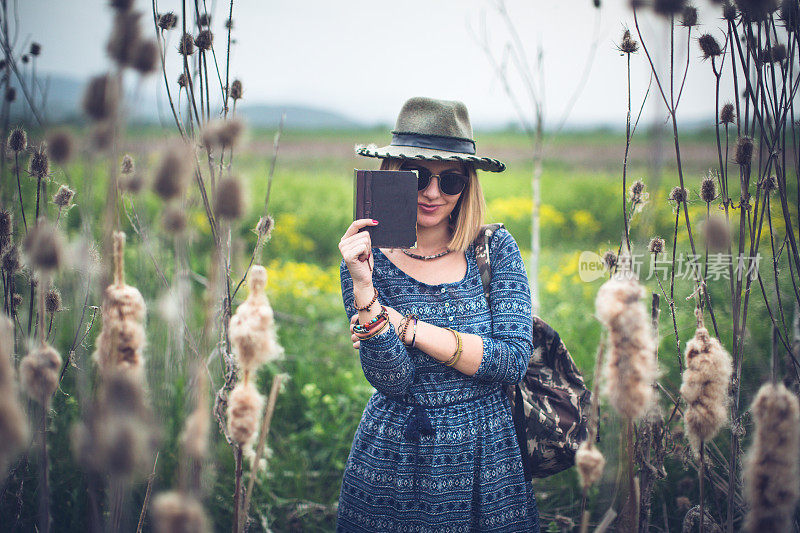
(507, 351)
(384, 358)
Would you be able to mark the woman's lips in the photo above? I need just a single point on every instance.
(428, 209)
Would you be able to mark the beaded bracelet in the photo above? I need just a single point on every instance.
(374, 333)
(365, 328)
(369, 329)
(414, 336)
(375, 297)
(459, 348)
(404, 328)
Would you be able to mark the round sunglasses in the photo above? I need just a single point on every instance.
(451, 182)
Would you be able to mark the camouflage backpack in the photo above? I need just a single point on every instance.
(550, 405)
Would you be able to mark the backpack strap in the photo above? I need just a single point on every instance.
(482, 255)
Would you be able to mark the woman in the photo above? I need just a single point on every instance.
(436, 449)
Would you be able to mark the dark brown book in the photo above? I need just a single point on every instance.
(390, 197)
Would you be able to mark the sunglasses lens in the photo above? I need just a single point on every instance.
(452, 183)
(424, 178)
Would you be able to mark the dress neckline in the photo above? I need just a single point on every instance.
(468, 256)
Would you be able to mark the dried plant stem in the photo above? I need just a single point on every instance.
(161, 46)
(19, 190)
(238, 489)
(150, 479)
(262, 441)
(702, 475)
(228, 62)
(44, 488)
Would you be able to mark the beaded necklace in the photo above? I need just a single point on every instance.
(426, 257)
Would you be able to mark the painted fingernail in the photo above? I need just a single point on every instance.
(374, 221)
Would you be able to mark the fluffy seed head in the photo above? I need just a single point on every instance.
(678, 194)
(186, 46)
(176, 512)
(705, 387)
(124, 36)
(144, 57)
(174, 171)
(628, 45)
(590, 463)
(100, 97)
(17, 140)
(39, 372)
(228, 199)
(744, 151)
(167, 21)
(127, 165)
(39, 165)
(689, 16)
(60, 146)
(244, 412)
(656, 245)
(727, 115)
(52, 301)
(42, 246)
(771, 469)
(708, 188)
(630, 364)
(717, 233)
(204, 40)
(709, 46)
(236, 90)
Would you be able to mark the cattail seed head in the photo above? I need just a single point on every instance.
(689, 16)
(610, 259)
(36, 49)
(656, 245)
(100, 97)
(63, 196)
(252, 327)
(229, 199)
(727, 115)
(167, 21)
(204, 40)
(630, 367)
(204, 20)
(590, 463)
(42, 246)
(17, 140)
(709, 46)
(705, 387)
(236, 90)
(39, 372)
(11, 94)
(678, 194)
(124, 36)
(13, 426)
(769, 183)
(183, 81)
(628, 45)
(771, 469)
(174, 220)
(186, 46)
(668, 7)
(39, 165)
(708, 188)
(178, 512)
(174, 171)
(60, 146)
(744, 151)
(144, 57)
(717, 233)
(52, 301)
(244, 412)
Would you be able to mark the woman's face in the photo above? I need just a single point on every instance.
(434, 206)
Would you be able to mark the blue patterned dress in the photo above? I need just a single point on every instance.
(436, 449)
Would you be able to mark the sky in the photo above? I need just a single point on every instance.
(364, 58)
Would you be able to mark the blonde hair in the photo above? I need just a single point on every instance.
(468, 212)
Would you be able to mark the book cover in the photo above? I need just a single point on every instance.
(390, 197)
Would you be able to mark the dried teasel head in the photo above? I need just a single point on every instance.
(678, 195)
(264, 227)
(755, 10)
(204, 40)
(167, 21)
(42, 247)
(63, 197)
(186, 46)
(744, 150)
(590, 463)
(39, 372)
(174, 220)
(39, 165)
(689, 17)
(717, 233)
(204, 20)
(709, 45)
(244, 413)
(610, 259)
(183, 80)
(729, 11)
(144, 57)
(705, 387)
(668, 7)
(708, 188)
(771, 468)
(627, 44)
(769, 183)
(36, 49)
(101, 97)
(656, 245)
(775, 54)
(17, 140)
(124, 36)
(727, 115)
(178, 512)
(230, 132)
(11, 262)
(52, 301)
(60, 146)
(229, 24)
(229, 199)
(174, 170)
(236, 90)
(6, 227)
(127, 165)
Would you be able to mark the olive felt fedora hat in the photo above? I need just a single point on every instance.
(432, 130)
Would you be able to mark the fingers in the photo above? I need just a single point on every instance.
(357, 225)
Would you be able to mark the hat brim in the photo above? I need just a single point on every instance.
(429, 154)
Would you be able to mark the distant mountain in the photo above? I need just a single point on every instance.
(64, 94)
